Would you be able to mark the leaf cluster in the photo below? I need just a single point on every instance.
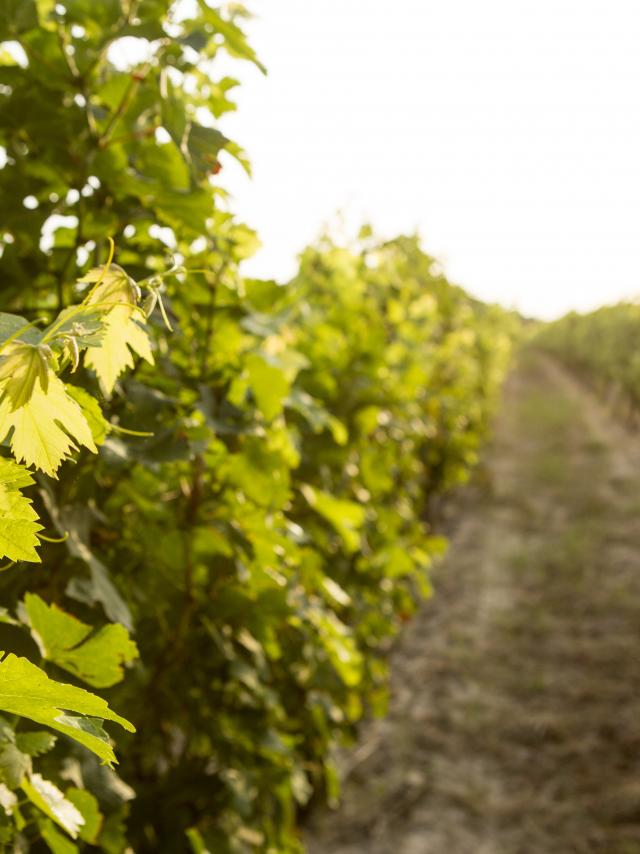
(243, 484)
(601, 346)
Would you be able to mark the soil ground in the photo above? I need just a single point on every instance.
(514, 723)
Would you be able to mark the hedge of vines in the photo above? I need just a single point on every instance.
(215, 491)
(601, 346)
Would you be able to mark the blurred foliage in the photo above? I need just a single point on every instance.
(258, 516)
(601, 346)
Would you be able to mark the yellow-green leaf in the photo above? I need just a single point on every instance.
(18, 520)
(21, 366)
(56, 841)
(26, 690)
(97, 658)
(91, 411)
(269, 385)
(123, 326)
(46, 427)
(346, 517)
(87, 805)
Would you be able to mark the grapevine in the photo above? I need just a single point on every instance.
(217, 497)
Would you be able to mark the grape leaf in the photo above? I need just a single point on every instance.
(18, 520)
(56, 841)
(91, 411)
(123, 330)
(268, 384)
(14, 765)
(74, 522)
(48, 798)
(14, 476)
(87, 805)
(203, 145)
(21, 366)
(11, 324)
(36, 742)
(346, 517)
(97, 658)
(26, 690)
(340, 645)
(38, 438)
(123, 334)
(235, 40)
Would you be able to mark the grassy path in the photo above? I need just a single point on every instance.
(514, 725)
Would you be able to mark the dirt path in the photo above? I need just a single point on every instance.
(514, 725)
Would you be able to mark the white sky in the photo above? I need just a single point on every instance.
(506, 131)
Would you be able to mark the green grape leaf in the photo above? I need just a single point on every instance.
(203, 145)
(26, 690)
(14, 765)
(56, 841)
(269, 385)
(97, 658)
(346, 517)
(48, 798)
(235, 40)
(14, 476)
(18, 520)
(123, 326)
(38, 437)
(10, 324)
(91, 411)
(340, 646)
(315, 414)
(87, 805)
(35, 743)
(98, 588)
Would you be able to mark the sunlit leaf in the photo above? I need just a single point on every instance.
(19, 524)
(91, 410)
(48, 798)
(97, 658)
(21, 367)
(346, 517)
(123, 325)
(26, 690)
(46, 427)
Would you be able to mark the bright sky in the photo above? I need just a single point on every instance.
(507, 133)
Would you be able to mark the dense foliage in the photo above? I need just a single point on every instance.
(240, 482)
(601, 346)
